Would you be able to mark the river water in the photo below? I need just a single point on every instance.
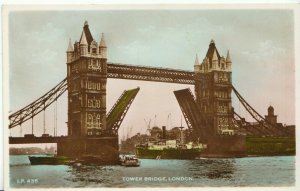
(250, 172)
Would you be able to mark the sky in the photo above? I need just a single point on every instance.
(261, 45)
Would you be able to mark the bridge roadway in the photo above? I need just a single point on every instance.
(32, 140)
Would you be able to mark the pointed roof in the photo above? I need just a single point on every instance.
(70, 47)
(102, 41)
(270, 108)
(228, 59)
(88, 33)
(196, 60)
(83, 39)
(211, 50)
(215, 55)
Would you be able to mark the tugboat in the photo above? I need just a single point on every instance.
(130, 161)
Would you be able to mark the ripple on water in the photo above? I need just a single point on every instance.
(252, 171)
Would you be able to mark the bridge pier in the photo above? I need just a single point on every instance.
(105, 149)
(225, 146)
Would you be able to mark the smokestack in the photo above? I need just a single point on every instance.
(164, 132)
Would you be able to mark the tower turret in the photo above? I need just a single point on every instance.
(83, 45)
(70, 51)
(228, 61)
(102, 47)
(197, 64)
(215, 60)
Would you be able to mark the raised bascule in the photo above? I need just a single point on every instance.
(92, 131)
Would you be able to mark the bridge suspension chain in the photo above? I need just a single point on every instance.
(273, 130)
(31, 110)
(250, 129)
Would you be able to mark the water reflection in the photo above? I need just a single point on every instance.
(260, 171)
(112, 175)
(212, 168)
(91, 174)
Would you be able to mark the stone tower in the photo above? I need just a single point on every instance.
(213, 90)
(271, 118)
(87, 74)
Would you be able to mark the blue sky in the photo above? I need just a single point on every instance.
(261, 44)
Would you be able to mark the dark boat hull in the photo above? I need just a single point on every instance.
(46, 160)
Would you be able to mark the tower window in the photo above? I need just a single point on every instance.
(94, 50)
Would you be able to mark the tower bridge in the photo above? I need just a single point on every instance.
(91, 130)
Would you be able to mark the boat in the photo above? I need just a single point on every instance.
(169, 149)
(130, 161)
(48, 160)
(201, 158)
(76, 162)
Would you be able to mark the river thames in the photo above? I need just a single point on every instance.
(244, 172)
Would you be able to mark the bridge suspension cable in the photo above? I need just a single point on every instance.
(250, 129)
(44, 125)
(31, 110)
(55, 119)
(20, 130)
(272, 129)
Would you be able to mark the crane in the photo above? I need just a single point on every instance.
(148, 125)
(169, 119)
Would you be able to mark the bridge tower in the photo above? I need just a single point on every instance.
(87, 74)
(86, 82)
(213, 90)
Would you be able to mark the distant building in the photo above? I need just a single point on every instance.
(271, 119)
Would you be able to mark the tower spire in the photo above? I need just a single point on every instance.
(215, 55)
(102, 41)
(83, 40)
(70, 47)
(228, 59)
(196, 60)
(102, 47)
